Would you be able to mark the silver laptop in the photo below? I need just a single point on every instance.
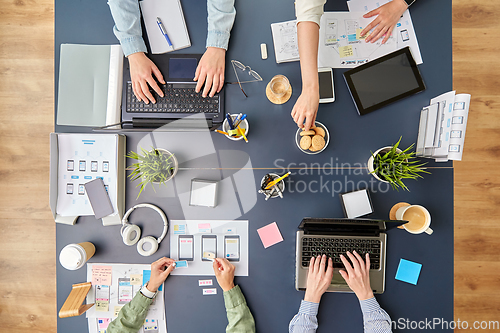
(335, 236)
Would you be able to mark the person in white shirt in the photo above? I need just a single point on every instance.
(308, 14)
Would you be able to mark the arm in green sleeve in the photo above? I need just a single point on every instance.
(131, 317)
(238, 314)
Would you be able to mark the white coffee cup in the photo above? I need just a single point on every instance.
(418, 219)
(74, 256)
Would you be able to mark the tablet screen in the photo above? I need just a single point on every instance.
(384, 80)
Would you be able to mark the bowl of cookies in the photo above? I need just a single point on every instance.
(313, 141)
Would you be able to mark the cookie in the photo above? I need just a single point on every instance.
(305, 142)
(319, 131)
(318, 142)
(312, 149)
(304, 133)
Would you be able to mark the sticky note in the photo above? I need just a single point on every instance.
(146, 275)
(103, 323)
(101, 275)
(179, 229)
(136, 279)
(102, 306)
(358, 34)
(204, 228)
(205, 282)
(209, 255)
(346, 51)
(408, 271)
(117, 310)
(210, 291)
(181, 264)
(270, 235)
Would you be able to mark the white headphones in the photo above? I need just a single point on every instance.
(131, 232)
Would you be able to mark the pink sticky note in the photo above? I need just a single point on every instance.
(101, 275)
(270, 235)
(104, 323)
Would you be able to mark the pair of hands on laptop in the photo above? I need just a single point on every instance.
(356, 275)
(210, 71)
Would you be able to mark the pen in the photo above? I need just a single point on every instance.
(164, 32)
(237, 119)
(229, 121)
(274, 182)
(242, 118)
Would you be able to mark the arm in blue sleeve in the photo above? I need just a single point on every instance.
(305, 321)
(221, 14)
(375, 319)
(127, 29)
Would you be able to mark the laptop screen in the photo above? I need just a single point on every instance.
(182, 68)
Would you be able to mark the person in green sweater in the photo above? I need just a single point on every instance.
(131, 316)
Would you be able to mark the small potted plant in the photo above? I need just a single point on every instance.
(156, 166)
(392, 165)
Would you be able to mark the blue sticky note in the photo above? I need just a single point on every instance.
(182, 263)
(146, 275)
(408, 271)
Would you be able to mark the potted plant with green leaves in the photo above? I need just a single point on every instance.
(391, 165)
(156, 166)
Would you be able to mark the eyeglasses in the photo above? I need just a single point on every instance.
(251, 72)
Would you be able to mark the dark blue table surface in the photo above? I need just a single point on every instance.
(269, 288)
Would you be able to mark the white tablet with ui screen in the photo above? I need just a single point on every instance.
(326, 90)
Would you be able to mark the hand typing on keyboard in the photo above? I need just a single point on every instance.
(210, 71)
(141, 74)
(318, 279)
(357, 275)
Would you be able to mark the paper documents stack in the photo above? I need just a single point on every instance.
(172, 17)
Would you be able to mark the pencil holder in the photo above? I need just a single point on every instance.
(272, 192)
(235, 134)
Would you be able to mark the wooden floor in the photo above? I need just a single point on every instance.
(27, 248)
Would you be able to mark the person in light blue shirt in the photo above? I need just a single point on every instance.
(127, 29)
(357, 276)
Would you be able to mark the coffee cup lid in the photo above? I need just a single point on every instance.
(70, 257)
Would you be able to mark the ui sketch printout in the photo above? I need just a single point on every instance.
(227, 239)
(340, 42)
(126, 281)
(286, 47)
(404, 32)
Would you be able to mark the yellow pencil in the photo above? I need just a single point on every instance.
(222, 132)
(274, 182)
(242, 132)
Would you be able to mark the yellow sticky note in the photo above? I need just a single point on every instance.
(136, 279)
(102, 306)
(358, 34)
(117, 310)
(346, 51)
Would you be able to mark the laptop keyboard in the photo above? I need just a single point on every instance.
(334, 247)
(181, 99)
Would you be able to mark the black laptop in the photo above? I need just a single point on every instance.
(181, 107)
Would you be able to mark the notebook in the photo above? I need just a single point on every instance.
(333, 237)
(172, 17)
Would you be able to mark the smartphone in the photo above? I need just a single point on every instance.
(125, 291)
(105, 166)
(93, 166)
(186, 247)
(102, 293)
(232, 248)
(405, 36)
(82, 165)
(71, 165)
(208, 244)
(326, 90)
(99, 198)
(69, 188)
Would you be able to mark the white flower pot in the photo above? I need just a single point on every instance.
(370, 161)
(176, 164)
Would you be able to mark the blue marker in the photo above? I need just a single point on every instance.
(164, 32)
(229, 121)
(239, 122)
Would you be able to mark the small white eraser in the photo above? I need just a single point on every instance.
(263, 50)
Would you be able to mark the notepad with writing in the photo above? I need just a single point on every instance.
(172, 17)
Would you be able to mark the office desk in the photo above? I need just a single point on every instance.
(269, 288)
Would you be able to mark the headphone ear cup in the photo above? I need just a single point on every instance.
(128, 232)
(149, 240)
